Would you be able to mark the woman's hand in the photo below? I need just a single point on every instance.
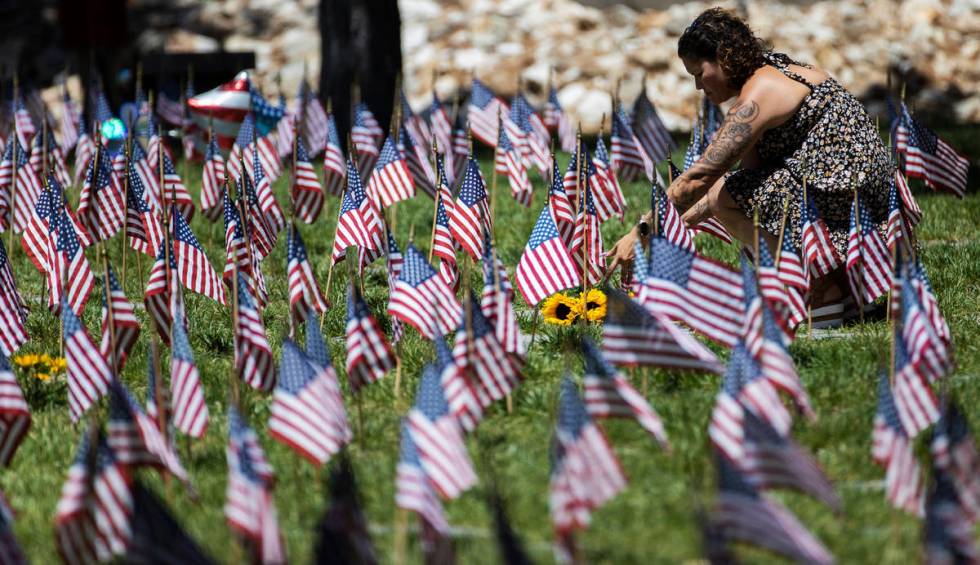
(622, 252)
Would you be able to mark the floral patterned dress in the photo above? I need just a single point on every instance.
(830, 143)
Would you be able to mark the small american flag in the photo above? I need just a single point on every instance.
(509, 162)
(529, 134)
(304, 292)
(56, 160)
(193, 268)
(23, 123)
(931, 352)
(416, 158)
(125, 326)
(413, 489)
(305, 412)
(927, 298)
(174, 191)
(460, 150)
(334, 163)
(441, 127)
(26, 186)
(546, 266)
(437, 435)
(262, 149)
(78, 276)
(629, 158)
(497, 303)
(588, 174)
(587, 240)
(443, 245)
(773, 460)
(319, 356)
(169, 110)
(954, 451)
(143, 226)
(726, 428)
(633, 337)
(358, 224)
(84, 149)
(70, 121)
(891, 448)
(614, 193)
(703, 293)
(714, 227)
(15, 414)
(818, 249)
(868, 259)
(930, 158)
(561, 207)
(744, 514)
(791, 268)
(470, 215)
(369, 356)
(898, 234)
(314, 128)
(609, 395)
(149, 176)
(421, 298)
(914, 399)
(669, 224)
(190, 409)
(285, 130)
(785, 300)
(253, 356)
(483, 111)
(556, 119)
(212, 181)
(240, 250)
(267, 114)
(135, 438)
(910, 208)
(478, 352)
(271, 211)
(391, 181)
(948, 534)
(366, 134)
(159, 288)
(249, 506)
(585, 473)
(393, 267)
(413, 123)
(650, 129)
(13, 310)
(92, 520)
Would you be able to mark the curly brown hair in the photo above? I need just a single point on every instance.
(720, 36)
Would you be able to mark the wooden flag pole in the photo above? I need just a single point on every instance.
(583, 201)
(493, 176)
(122, 240)
(13, 182)
(438, 198)
(809, 307)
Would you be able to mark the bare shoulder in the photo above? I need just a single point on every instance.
(813, 74)
(777, 95)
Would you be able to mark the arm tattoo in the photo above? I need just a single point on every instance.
(733, 137)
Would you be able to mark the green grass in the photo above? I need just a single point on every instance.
(652, 521)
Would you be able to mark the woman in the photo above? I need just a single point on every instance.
(790, 123)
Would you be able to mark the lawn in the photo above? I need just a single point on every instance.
(652, 521)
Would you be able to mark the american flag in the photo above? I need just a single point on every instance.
(462, 394)
(56, 159)
(930, 158)
(818, 249)
(416, 158)
(242, 251)
(920, 281)
(23, 123)
(948, 535)
(650, 129)
(13, 310)
(21, 191)
(910, 208)
(391, 181)
(726, 428)
(271, 211)
(369, 356)
(791, 269)
(159, 288)
(143, 226)
(421, 298)
(954, 451)
(193, 268)
(249, 506)
(70, 121)
(713, 227)
(174, 191)
(898, 235)
(394, 261)
(609, 395)
(78, 276)
(154, 398)
(253, 356)
(633, 337)
(304, 292)
(697, 143)
(556, 119)
(914, 399)
(629, 158)
(587, 240)
(212, 181)
(509, 162)
(135, 438)
(573, 187)
(461, 150)
(84, 149)
(157, 536)
(342, 530)
(306, 415)
(613, 192)
(930, 352)
(15, 414)
(443, 245)
(39, 241)
(413, 489)
(259, 231)
(366, 134)
(479, 353)
(585, 473)
(437, 435)
(314, 126)
(189, 407)
(267, 115)
(703, 293)
(285, 130)
(334, 163)
(546, 266)
(414, 123)
(561, 207)
(441, 127)
(154, 146)
(891, 447)
(470, 215)
(786, 301)
(319, 356)
(125, 326)
(358, 224)
(766, 338)
(169, 110)
(92, 520)
(139, 161)
(744, 514)
(497, 303)
(773, 460)
(528, 134)
(868, 259)
(483, 113)
(668, 221)
(261, 148)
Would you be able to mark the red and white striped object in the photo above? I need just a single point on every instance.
(479, 353)
(193, 268)
(13, 310)
(421, 298)
(125, 326)
(254, 362)
(190, 411)
(509, 162)
(304, 292)
(135, 438)
(334, 163)
(545, 266)
(358, 224)
(892, 449)
(868, 259)
(470, 217)
(88, 372)
(369, 356)
(15, 414)
(391, 180)
(306, 191)
(212, 181)
(497, 304)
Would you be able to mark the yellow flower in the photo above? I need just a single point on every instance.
(57, 364)
(42, 376)
(596, 302)
(27, 360)
(560, 309)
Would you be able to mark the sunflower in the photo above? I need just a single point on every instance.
(27, 360)
(57, 364)
(596, 301)
(560, 309)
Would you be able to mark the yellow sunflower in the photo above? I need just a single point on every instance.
(27, 360)
(596, 301)
(57, 364)
(560, 309)
(42, 376)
